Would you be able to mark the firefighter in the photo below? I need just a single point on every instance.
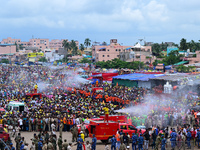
(35, 88)
(106, 112)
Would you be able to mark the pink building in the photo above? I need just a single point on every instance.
(6, 49)
(9, 40)
(193, 60)
(39, 43)
(56, 44)
(114, 50)
(107, 52)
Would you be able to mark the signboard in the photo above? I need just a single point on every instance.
(35, 54)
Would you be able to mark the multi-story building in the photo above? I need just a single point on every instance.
(9, 40)
(7, 49)
(107, 52)
(115, 50)
(56, 44)
(39, 43)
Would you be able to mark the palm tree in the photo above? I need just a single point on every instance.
(66, 45)
(74, 47)
(104, 43)
(87, 42)
(82, 47)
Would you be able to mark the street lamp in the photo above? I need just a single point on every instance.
(140, 52)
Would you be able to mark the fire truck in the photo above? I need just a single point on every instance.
(105, 130)
(87, 123)
(116, 118)
(3, 133)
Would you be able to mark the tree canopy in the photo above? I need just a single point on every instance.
(87, 42)
(117, 63)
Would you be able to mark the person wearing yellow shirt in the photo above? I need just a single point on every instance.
(106, 112)
(35, 88)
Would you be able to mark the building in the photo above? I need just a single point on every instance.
(56, 44)
(172, 48)
(7, 49)
(108, 52)
(9, 40)
(39, 43)
(193, 60)
(138, 53)
(52, 56)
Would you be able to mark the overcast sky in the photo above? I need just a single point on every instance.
(101, 20)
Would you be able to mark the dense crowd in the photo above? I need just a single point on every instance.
(68, 100)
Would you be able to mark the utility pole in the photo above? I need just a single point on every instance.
(140, 53)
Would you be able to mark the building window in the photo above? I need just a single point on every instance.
(137, 56)
(103, 60)
(102, 55)
(116, 50)
(108, 50)
(41, 41)
(46, 46)
(119, 50)
(40, 46)
(117, 55)
(108, 56)
(34, 41)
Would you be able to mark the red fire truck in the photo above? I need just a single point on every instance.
(105, 130)
(116, 118)
(87, 123)
(3, 133)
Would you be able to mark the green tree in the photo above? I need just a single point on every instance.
(85, 60)
(81, 47)
(183, 44)
(117, 63)
(66, 45)
(87, 42)
(104, 43)
(6, 61)
(156, 49)
(42, 59)
(74, 47)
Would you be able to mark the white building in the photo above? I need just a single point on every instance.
(52, 56)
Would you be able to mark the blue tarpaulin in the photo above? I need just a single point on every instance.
(128, 48)
(137, 76)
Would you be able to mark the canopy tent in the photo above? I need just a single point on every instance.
(181, 63)
(103, 76)
(138, 45)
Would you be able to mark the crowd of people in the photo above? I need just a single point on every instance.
(68, 100)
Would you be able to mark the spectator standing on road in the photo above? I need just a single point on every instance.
(146, 140)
